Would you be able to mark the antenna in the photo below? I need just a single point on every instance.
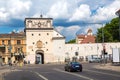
(41, 16)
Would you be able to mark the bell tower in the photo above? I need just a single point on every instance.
(89, 32)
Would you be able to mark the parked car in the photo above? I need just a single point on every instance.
(95, 60)
(73, 66)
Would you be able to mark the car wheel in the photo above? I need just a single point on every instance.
(69, 70)
(81, 70)
(65, 69)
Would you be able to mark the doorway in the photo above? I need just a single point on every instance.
(39, 58)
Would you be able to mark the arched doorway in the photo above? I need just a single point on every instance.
(39, 58)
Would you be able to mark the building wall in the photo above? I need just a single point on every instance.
(41, 29)
(53, 48)
(53, 43)
(59, 50)
(45, 37)
(6, 56)
(89, 49)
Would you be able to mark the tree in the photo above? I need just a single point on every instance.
(71, 41)
(110, 31)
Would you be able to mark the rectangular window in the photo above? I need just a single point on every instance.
(19, 50)
(9, 42)
(3, 42)
(18, 42)
(2, 49)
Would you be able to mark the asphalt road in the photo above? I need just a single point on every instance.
(56, 72)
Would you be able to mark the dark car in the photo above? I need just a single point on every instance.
(73, 66)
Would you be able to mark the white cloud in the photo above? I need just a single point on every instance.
(70, 10)
(81, 13)
(14, 9)
(73, 10)
(20, 30)
(3, 14)
(60, 28)
(106, 13)
(18, 8)
(68, 31)
(59, 10)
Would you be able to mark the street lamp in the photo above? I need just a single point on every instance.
(9, 49)
(67, 59)
(103, 44)
(118, 14)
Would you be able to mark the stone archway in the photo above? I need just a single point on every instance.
(39, 57)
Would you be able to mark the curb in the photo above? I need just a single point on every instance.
(108, 67)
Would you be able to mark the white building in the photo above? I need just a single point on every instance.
(44, 44)
(89, 49)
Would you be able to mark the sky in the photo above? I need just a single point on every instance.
(71, 17)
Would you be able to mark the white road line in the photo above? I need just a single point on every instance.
(78, 75)
(44, 78)
(102, 73)
(41, 76)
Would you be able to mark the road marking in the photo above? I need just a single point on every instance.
(41, 76)
(78, 75)
(102, 73)
(44, 78)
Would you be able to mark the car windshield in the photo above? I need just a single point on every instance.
(75, 63)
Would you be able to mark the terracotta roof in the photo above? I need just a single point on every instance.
(86, 38)
(89, 39)
(12, 35)
(81, 36)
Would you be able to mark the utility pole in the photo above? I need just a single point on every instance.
(102, 34)
(10, 47)
(103, 51)
(97, 45)
(118, 14)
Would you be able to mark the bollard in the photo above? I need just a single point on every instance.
(2, 76)
(21, 64)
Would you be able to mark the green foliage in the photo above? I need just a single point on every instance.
(110, 31)
(71, 41)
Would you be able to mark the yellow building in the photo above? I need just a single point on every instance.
(12, 47)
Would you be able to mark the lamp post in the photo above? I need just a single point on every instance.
(103, 51)
(76, 55)
(9, 49)
(97, 44)
(67, 58)
(118, 14)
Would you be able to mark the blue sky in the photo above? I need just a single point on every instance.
(70, 17)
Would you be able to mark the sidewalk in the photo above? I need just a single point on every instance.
(109, 66)
(4, 70)
(3, 73)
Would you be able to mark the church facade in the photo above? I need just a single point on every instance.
(44, 43)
